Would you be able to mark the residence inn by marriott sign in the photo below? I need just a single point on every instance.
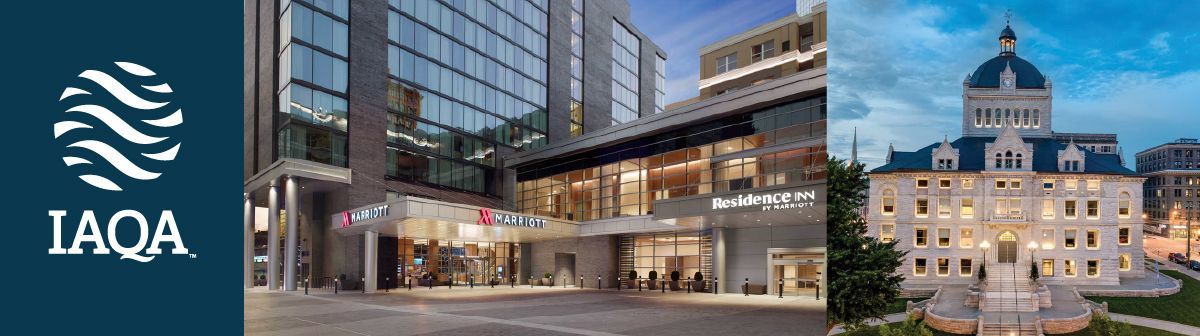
(768, 201)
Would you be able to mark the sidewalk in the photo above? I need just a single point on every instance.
(1157, 324)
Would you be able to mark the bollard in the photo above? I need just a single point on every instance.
(335, 285)
(818, 290)
(451, 281)
(598, 282)
(387, 284)
(305, 286)
(580, 281)
(410, 283)
(715, 283)
(619, 284)
(472, 279)
(530, 281)
(513, 282)
(780, 288)
(662, 284)
(493, 282)
(639, 284)
(689, 285)
(564, 280)
(746, 287)
(364, 285)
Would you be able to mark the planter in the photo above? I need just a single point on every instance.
(697, 286)
(547, 281)
(652, 284)
(631, 283)
(675, 285)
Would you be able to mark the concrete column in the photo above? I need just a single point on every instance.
(718, 259)
(370, 259)
(273, 237)
(292, 199)
(248, 242)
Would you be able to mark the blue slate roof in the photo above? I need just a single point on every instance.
(988, 73)
(971, 157)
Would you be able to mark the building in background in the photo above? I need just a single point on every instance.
(730, 187)
(1172, 190)
(373, 129)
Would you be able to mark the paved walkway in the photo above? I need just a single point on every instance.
(1157, 324)
(528, 311)
(893, 318)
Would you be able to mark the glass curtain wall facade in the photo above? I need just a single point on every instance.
(312, 81)
(687, 252)
(464, 78)
(443, 261)
(626, 182)
(625, 52)
(576, 68)
(660, 84)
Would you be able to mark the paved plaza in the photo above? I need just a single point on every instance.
(529, 311)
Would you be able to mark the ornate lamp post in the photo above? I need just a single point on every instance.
(1032, 246)
(985, 246)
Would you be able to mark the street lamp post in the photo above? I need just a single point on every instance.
(985, 246)
(1032, 246)
(1188, 242)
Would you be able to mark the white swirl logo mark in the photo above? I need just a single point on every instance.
(117, 124)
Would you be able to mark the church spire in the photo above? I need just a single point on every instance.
(854, 147)
(1008, 38)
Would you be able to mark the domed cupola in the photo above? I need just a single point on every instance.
(987, 75)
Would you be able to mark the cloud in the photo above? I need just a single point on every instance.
(1159, 42)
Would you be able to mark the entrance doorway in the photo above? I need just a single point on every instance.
(799, 268)
(1006, 249)
(564, 268)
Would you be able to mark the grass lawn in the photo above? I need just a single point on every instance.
(1181, 307)
(898, 305)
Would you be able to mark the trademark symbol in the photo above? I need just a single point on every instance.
(192, 255)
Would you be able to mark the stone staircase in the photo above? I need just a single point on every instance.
(1008, 290)
(1006, 329)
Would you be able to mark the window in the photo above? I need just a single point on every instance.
(1093, 239)
(887, 233)
(1072, 184)
(964, 267)
(888, 203)
(1123, 236)
(1001, 184)
(944, 207)
(921, 237)
(943, 266)
(1014, 184)
(1047, 267)
(1069, 268)
(1123, 205)
(1093, 209)
(726, 63)
(1047, 239)
(786, 46)
(1069, 238)
(576, 118)
(1036, 118)
(1093, 185)
(1125, 262)
(943, 238)
(919, 266)
(922, 207)
(1047, 184)
(968, 184)
(1093, 268)
(987, 119)
(922, 183)
(1048, 209)
(1008, 206)
(944, 183)
(966, 237)
(762, 51)
(966, 208)
(978, 118)
(1069, 209)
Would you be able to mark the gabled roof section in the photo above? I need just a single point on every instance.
(971, 157)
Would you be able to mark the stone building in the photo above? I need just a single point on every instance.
(1172, 190)
(1010, 193)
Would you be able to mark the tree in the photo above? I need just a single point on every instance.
(862, 270)
(1102, 325)
(910, 327)
(1033, 271)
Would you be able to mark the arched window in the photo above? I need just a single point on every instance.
(987, 121)
(1036, 119)
(978, 118)
(1007, 114)
(888, 204)
(1016, 118)
(998, 160)
(1123, 205)
(1019, 159)
(1025, 118)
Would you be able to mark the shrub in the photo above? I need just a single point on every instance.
(699, 276)
(674, 275)
(632, 275)
(909, 327)
(653, 275)
(982, 272)
(1033, 271)
(1105, 326)
(547, 275)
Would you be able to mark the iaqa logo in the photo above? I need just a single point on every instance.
(140, 126)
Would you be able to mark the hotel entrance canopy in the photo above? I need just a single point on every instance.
(409, 216)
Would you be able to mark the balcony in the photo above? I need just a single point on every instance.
(1008, 217)
(794, 56)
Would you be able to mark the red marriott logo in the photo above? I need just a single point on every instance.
(345, 218)
(485, 217)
